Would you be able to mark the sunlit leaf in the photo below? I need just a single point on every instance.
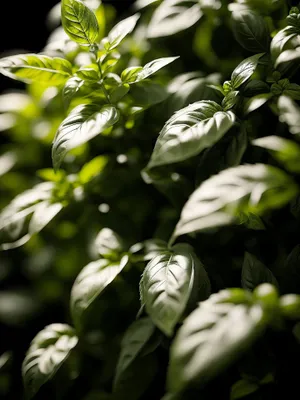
(120, 31)
(48, 351)
(83, 123)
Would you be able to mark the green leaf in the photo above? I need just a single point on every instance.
(254, 272)
(83, 123)
(140, 4)
(287, 56)
(27, 215)
(167, 284)
(290, 306)
(281, 39)
(148, 93)
(243, 388)
(289, 113)
(89, 73)
(92, 168)
(149, 69)
(91, 282)
(173, 16)
(251, 31)
(79, 22)
(244, 70)
(230, 100)
(256, 102)
(246, 188)
(134, 341)
(285, 151)
(211, 338)
(120, 31)
(189, 131)
(36, 67)
(136, 379)
(48, 351)
(108, 244)
(71, 87)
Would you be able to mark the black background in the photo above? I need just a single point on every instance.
(23, 27)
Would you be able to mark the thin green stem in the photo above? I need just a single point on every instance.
(101, 76)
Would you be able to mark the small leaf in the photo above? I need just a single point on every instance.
(254, 272)
(48, 351)
(135, 339)
(91, 282)
(35, 67)
(71, 87)
(148, 70)
(173, 16)
(83, 123)
(89, 73)
(242, 388)
(251, 30)
(92, 168)
(230, 100)
(256, 102)
(79, 22)
(285, 151)
(289, 112)
(211, 338)
(120, 31)
(108, 244)
(244, 70)
(246, 188)
(167, 284)
(189, 131)
(290, 306)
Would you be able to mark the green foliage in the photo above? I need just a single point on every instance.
(144, 150)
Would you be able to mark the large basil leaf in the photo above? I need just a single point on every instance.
(211, 338)
(48, 351)
(79, 22)
(289, 112)
(173, 16)
(167, 284)
(83, 123)
(246, 188)
(35, 67)
(91, 282)
(120, 31)
(244, 70)
(250, 30)
(254, 272)
(285, 151)
(189, 131)
(134, 341)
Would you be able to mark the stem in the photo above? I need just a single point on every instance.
(101, 76)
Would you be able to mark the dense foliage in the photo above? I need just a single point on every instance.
(157, 255)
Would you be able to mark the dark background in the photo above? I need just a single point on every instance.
(23, 26)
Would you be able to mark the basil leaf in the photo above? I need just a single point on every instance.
(48, 351)
(89, 73)
(246, 188)
(211, 338)
(244, 70)
(91, 282)
(289, 113)
(251, 31)
(285, 151)
(167, 284)
(242, 388)
(173, 16)
(120, 31)
(83, 123)
(134, 341)
(71, 87)
(189, 131)
(79, 22)
(256, 102)
(35, 67)
(254, 272)
(281, 39)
